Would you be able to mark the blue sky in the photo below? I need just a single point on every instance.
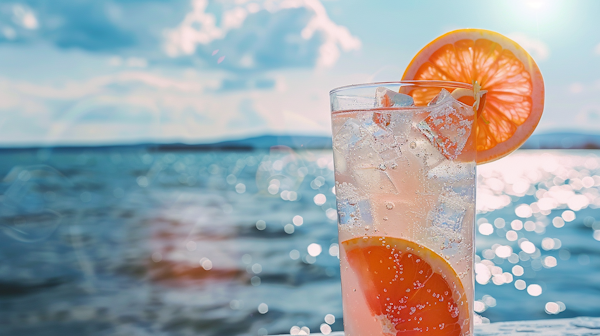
(129, 71)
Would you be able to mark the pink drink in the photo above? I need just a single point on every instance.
(405, 186)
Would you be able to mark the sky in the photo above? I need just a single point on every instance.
(83, 72)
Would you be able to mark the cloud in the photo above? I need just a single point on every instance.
(234, 35)
(94, 26)
(576, 88)
(587, 88)
(144, 106)
(24, 17)
(85, 25)
(96, 85)
(597, 50)
(538, 49)
(153, 106)
(18, 22)
(125, 88)
(248, 117)
(273, 34)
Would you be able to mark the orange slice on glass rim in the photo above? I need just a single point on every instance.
(515, 89)
(410, 287)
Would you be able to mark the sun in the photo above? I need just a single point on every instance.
(535, 4)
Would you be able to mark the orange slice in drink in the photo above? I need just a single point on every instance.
(411, 287)
(515, 89)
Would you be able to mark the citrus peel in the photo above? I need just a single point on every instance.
(512, 106)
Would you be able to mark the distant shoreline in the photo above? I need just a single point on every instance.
(542, 141)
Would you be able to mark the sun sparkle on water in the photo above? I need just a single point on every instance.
(538, 234)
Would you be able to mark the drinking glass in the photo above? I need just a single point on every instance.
(404, 155)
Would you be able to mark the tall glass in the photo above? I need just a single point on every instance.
(405, 185)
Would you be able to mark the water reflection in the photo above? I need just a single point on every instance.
(31, 209)
(546, 192)
(242, 243)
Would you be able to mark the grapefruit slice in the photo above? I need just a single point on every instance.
(515, 88)
(413, 288)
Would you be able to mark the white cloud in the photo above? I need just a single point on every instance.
(141, 106)
(75, 90)
(148, 104)
(588, 88)
(597, 49)
(576, 88)
(234, 18)
(199, 28)
(25, 17)
(184, 38)
(538, 49)
(280, 84)
(334, 34)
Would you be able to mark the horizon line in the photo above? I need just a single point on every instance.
(237, 143)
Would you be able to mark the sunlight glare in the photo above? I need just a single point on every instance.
(535, 4)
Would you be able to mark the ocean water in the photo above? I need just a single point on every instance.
(136, 242)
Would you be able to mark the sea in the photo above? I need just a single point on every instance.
(139, 241)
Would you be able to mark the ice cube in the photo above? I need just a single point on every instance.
(391, 156)
(348, 135)
(387, 98)
(346, 142)
(446, 220)
(367, 167)
(439, 98)
(374, 179)
(352, 207)
(354, 213)
(424, 151)
(382, 136)
(456, 176)
(383, 141)
(372, 155)
(448, 125)
(449, 212)
(359, 143)
(363, 152)
(400, 126)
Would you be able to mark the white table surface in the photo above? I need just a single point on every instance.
(580, 326)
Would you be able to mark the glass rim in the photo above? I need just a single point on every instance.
(415, 83)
